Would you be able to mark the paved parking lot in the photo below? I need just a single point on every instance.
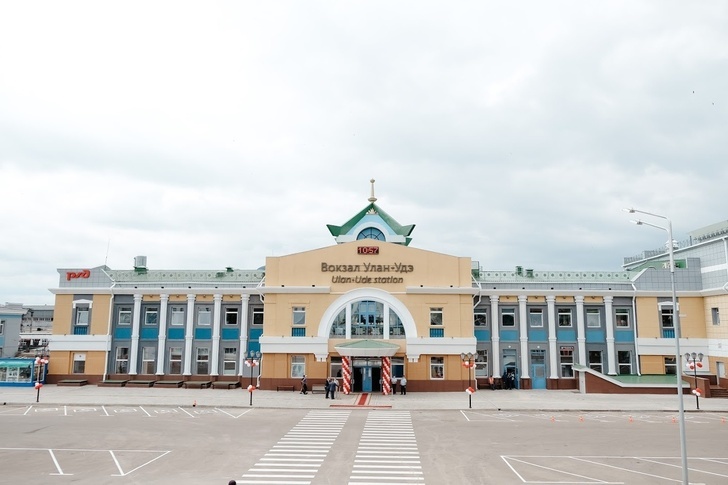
(121, 444)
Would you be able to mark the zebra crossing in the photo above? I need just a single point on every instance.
(387, 452)
(297, 457)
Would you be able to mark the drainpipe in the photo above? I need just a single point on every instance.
(634, 330)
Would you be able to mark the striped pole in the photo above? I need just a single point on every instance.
(386, 376)
(346, 370)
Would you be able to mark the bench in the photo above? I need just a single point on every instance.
(198, 384)
(113, 383)
(73, 382)
(285, 388)
(140, 383)
(169, 383)
(225, 384)
(318, 388)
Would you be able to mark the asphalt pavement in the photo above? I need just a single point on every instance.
(498, 400)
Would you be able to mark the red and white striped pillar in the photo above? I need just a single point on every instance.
(346, 370)
(386, 376)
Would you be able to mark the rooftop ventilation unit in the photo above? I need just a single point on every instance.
(140, 262)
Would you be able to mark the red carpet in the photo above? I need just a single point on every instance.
(363, 399)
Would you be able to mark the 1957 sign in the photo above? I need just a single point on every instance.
(367, 250)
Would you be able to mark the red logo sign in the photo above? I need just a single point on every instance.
(367, 250)
(71, 275)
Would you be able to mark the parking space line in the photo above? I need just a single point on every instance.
(58, 465)
(232, 416)
(678, 466)
(625, 469)
(188, 414)
(563, 472)
(107, 413)
(145, 412)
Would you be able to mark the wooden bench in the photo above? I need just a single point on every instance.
(197, 384)
(113, 383)
(73, 382)
(318, 388)
(285, 388)
(169, 383)
(225, 384)
(140, 383)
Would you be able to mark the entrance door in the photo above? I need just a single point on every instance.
(366, 379)
(538, 369)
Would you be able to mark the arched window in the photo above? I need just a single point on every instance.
(371, 233)
(367, 321)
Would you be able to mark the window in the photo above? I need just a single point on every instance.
(335, 369)
(299, 315)
(593, 318)
(371, 233)
(122, 360)
(338, 327)
(82, 314)
(508, 317)
(175, 360)
(231, 316)
(622, 317)
(715, 316)
(396, 328)
(2, 326)
(229, 361)
(298, 332)
(566, 354)
(151, 316)
(257, 316)
(149, 355)
(668, 326)
(125, 315)
(298, 366)
(79, 363)
(535, 317)
(397, 366)
(436, 316)
(203, 360)
(564, 317)
(595, 360)
(481, 363)
(177, 315)
(437, 367)
(480, 319)
(670, 366)
(624, 358)
(204, 315)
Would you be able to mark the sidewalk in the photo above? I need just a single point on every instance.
(484, 400)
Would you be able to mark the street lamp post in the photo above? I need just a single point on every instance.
(468, 363)
(694, 361)
(676, 323)
(40, 363)
(252, 361)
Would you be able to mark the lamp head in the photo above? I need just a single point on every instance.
(638, 222)
(629, 210)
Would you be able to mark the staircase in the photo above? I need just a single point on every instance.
(716, 391)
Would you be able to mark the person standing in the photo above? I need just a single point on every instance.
(304, 385)
(334, 384)
(327, 387)
(403, 385)
(394, 385)
(491, 382)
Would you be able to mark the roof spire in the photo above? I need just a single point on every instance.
(372, 198)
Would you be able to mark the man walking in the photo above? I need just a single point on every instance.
(304, 385)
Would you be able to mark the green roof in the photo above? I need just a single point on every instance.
(369, 209)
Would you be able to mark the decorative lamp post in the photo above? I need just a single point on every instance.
(676, 324)
(469, 363)
(40, 363)
(694, 361)
(252, 361)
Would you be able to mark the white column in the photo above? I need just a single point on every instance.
(135, 320)
(385, 317)
(162, 337)
(189, 335)
(242, 352)
(609, 325)
(553, 351)
(348, 321)
(580, 333)
(523, 331)
(494, 336)
(216, 318)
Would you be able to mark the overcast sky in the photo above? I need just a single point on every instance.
(214, 134)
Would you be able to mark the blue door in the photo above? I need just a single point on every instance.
(538, 369)
(366, 379)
